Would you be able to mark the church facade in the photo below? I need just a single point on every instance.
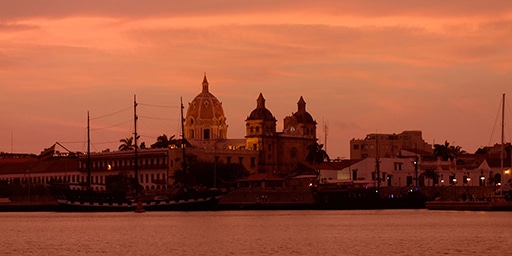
(264, 149)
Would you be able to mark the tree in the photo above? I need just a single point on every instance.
(482, 151)
(457, 150)
(126, 144)
(163, 142)
(121, 183)
(200, 173)
(447, 151)
(431, 174)
(316, 154)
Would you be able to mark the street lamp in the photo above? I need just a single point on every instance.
(28, 184)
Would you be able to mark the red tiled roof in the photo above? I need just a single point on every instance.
(24, 165)
(333, 165)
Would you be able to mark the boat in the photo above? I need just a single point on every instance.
(83, 198)
(501, 201)
(70, 200)
(491, 204)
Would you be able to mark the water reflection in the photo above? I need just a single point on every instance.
(382, 232)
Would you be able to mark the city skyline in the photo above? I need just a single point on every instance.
(361, 67)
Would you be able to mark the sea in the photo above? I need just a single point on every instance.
(302, 232)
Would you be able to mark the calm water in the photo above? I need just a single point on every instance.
(380, 232)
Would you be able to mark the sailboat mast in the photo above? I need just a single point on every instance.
(183, 144)
(88, 151)
(377, 161)
(502, 131)
(136, 166)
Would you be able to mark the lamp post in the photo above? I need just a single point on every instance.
(416, 170)
(28, 184)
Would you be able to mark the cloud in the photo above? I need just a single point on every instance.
(364, 66)
(134, 9)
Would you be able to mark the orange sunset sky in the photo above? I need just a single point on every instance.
(361, 66)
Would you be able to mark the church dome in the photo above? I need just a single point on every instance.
(205, 106)
(261, 112)
(302, 116)
(205, 118)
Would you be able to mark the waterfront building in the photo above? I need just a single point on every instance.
(280, 152)
(388, 145)
(52, 165)
(263, 150)
(467, 170)
(24, 169)
(499, 158)
(392, 172)
(152, 167)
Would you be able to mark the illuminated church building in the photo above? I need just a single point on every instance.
(263, 150)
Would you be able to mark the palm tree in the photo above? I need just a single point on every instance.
(316, 154)
(445, 151)
(431, 174)
(163, 142)
(457, 150)
(126, 144)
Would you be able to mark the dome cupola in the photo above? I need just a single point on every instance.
(205, 118)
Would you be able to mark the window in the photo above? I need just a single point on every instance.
(356, 146)
(253, 162)
(398, 166)
(206, 134)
